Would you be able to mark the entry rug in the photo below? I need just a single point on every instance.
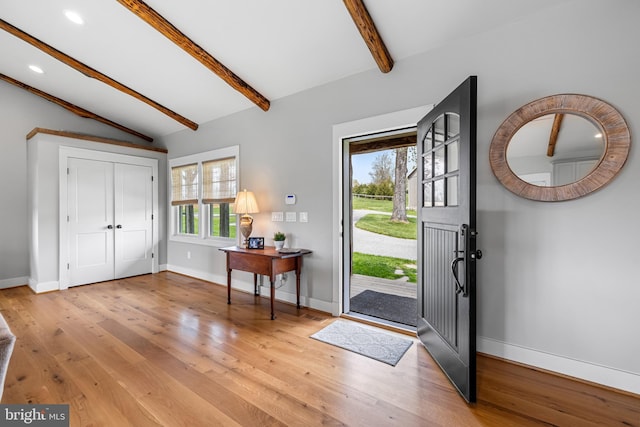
(364, 340)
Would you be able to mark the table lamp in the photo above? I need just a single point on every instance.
(245, 204)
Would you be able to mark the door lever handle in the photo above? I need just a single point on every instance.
(454, 272)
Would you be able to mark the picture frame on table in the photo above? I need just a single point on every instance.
(255, 243)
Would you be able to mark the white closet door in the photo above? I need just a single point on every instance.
(133, 220)
(90, 211)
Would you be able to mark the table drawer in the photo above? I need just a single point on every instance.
(248, 262)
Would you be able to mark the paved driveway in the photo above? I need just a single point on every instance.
(367, 242)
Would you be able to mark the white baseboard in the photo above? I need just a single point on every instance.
(610, 377)
(12, 283)
(40, 287)
(248, 287)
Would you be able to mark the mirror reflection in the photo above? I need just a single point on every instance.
(555, 149)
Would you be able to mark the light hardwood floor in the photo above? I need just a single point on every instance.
(166, 350)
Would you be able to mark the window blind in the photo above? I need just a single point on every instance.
(219, 181)
(184, 185)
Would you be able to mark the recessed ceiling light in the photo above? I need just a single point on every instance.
(36, 69)
(74, 17)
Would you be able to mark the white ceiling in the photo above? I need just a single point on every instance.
(279, 47)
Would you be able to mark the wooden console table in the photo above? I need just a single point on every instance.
(268, 262)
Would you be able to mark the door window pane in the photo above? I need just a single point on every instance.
(438, 192)
(438, 130)
(438, 162)
(453, 125)
(428, 195)
(452, 191)
(453, 161)
(427, 142)
(428, 166)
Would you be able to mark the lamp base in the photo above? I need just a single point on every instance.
(246, 226)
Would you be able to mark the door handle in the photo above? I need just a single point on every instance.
(454, 272)
(110, 227)
(118, 226)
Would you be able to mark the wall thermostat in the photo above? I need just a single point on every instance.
(290, 199)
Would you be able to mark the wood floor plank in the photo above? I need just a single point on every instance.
(167, 350)
(234, 405)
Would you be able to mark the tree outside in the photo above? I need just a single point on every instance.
(399, 213)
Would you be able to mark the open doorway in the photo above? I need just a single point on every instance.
(382, 194)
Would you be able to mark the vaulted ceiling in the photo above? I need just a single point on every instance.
(122, 70)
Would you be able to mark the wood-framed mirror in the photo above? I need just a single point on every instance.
(560, 147)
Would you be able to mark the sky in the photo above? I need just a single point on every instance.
(362, 166)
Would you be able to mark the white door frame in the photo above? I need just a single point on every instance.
(342, 131)
(64, 154)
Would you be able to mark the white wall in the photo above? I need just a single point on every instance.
(21, 112)
(556, 287)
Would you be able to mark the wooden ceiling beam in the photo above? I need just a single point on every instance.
(166, 28)
(73, 108)
(553, 137)
(92, 73)
(382, 144)
(370, 34)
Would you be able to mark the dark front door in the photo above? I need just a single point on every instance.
(446, 236)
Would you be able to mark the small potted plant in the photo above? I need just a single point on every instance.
(278, 239)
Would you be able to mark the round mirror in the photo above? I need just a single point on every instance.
(560, 147)
(555, 149)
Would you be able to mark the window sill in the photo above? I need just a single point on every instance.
(218, 242)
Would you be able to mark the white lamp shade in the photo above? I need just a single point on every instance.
(246, 203)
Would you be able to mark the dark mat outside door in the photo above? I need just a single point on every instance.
(386, 306)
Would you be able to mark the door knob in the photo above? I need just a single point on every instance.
(118, 226)
(110, 227)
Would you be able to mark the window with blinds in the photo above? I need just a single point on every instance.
(184, 185)
(219, 184)
(203, 189)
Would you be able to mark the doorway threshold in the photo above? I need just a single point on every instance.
(380, 323)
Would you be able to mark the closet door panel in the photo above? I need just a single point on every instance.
(90, 219)
(134, 219)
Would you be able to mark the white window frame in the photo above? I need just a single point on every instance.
(202, 238)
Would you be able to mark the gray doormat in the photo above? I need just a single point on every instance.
(364, 340)
(385, 306)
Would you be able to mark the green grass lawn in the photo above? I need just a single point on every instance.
(376, 205)
(383, 267)
(380, 224)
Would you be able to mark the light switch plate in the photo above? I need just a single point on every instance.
(291, 217)
(304, 217)
(277, 216)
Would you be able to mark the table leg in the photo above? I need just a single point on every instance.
(273, 296)
(255, 285)
(229, 286)
(298, 270)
